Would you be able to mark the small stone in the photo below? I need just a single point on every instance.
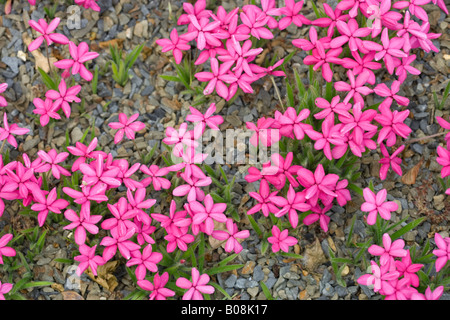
(249, 267)
(76, 135)
(438, 202)
(141, 29)
(253, 292)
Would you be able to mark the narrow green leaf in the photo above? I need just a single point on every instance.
(48, 81)
(266, 291)
(255, 225)
(222, 269)
(407, 228)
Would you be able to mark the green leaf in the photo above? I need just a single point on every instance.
(48, 81)
(170, 78)
(37, 284)
(62, 260)
(291, 255)
(355, 188)
(222, 269)
(228, 259)
(407, 228)
(266, 291)
(219, 288)
(255, 225)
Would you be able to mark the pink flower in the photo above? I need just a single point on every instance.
(292, 15)
(207, 119)
(64, 96)
(138, 203)
(389, 251)
(377, 204)
(121, 217)
(87, 194)
(155, 177)
(379, 279)
(21, 179)
(429, 295)
(45, 205)
(217, 78)
(443, 251)
(414, 6)
(47, 33)
(119, 241)
(285, 169)
(177, 219)
(181, 137)
(208, 213)
(409, 270)
(390, 160)
(251, 24)
(356, 88)
(203, 31)
(4, 289)
(318, 215)
(320, 58)
(364, 64)
(391, 94)
(127, 126)
(292, 125)
(194, 182)
(281, 240)
(81, 224)
(198, 10)
(87, 258)
(146, 260)
(195, 288)
(264, 133)
(46, 109)
(351, 33)
(330, 21)
(392, 125)
(80, 54)
(174, 44)
(331, 108)
(8, 130)
(96, 171)
(403, 67)
(51, 160)
(231, 235)
(3, 87)
(89, 4)
(317, 183)
(295, 201)
(4, 250)
(268, 173)
(178, 237)
(158, 292)
(444, 160)
(83, 153)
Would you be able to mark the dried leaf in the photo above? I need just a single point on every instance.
(105, 276)
(71, 295)
(40, 60)
(113, 42)
(410, 176)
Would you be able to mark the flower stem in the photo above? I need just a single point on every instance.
(278, 92)
(423, 138)
(3, 145)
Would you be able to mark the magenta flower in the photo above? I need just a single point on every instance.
(20, 180)
(285, 169)
(317, 183)
(403, 67)
(364, 64)
(356, 88)
(4, 250)
(280, 240)
(51, 160)
(320, 58)
(330, 109)
(410, 29)
(295, 201)
(4, 289)
(231, 236)
(175, 44)
(330, 21)
(343, 194)
(377, 205)
(354, 6)
(155, 177)
(292, 14)
(146, 260)
(424, 43)
(121, 217)
(192, 186)
(331, 135)
(8, 130)
(178, 237)
(217, 78)
(391, 94)
(87, 194)
(195, 288)
(390, 160)
(175, 218)
(207, 119)
(291, 123)
(121, 242)
(208, 213)
(444, 160)
(264, 132)
(45, 205)
(389, 251)
(351, 33)
(83, 153)
(429, 295)
(81, 224)
(138, 203)
(268, 173)
(46, 109)
(87, 258)
(96, 171)
(158, 290)
(92, 4)
(64, 96)
(387, 50)
(414, 7)
(379, 279)
(358, 123)
(409, 270)
(443, 251)
(392, 125)
(198, 10)
(319, 215)
(80, 54)
(203, 31)
(126, 126)
(3, 87)
(251, 24)
(47, 33)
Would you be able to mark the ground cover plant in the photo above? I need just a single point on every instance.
(302, 159)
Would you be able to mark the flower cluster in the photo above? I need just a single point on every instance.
(395, 276)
